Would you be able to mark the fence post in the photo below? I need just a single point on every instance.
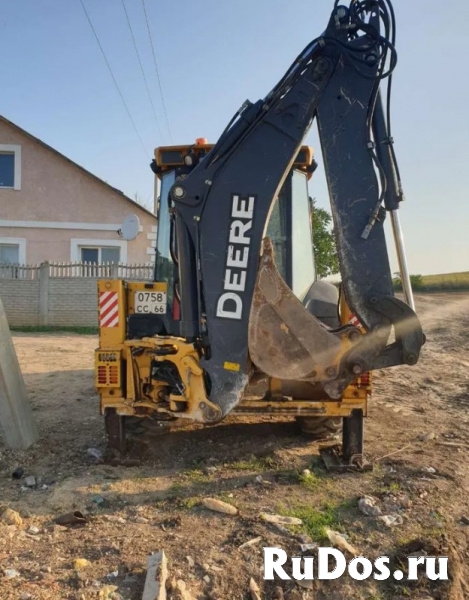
(114, 271)
(44, 293)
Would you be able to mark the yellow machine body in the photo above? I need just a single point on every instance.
(123, 372)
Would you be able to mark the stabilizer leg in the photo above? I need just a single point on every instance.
(115, 431)
(350, 456)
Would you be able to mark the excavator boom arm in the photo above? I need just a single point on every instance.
(232, 298)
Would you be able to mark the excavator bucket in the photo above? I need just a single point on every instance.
(285, 340)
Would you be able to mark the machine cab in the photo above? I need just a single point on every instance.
(289, 226)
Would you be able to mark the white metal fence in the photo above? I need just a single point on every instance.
(79, 269)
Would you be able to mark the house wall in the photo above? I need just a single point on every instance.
(59, 203)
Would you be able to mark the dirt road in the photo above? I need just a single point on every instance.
(416, 437)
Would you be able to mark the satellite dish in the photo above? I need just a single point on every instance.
(130, 228)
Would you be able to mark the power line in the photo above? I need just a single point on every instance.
(141, 67)
(156, 69)
(114, 79)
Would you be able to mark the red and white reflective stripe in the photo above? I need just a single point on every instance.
(108, 309)
(354, 321)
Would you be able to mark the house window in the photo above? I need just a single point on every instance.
(10, 166)
(7, 169)
(106, 254)
(98, 251)
(9, 254)
(12, 251)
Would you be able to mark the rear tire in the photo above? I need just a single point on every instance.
(138, 427)
(320, 428)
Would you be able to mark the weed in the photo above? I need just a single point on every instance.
(315, 521)
(377, 473)
(383, 487)
(404, 540)
(430, 531)
(176, 497)
(189, 503)
(311, 481)
(197, 476)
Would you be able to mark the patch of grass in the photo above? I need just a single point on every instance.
(193, 482)
(197, 476)
(404, 539)
(315, 522)
(378, 472)
(227, 497)
(53, 329)
(177, 500)
(428, 531)
(405, 591)
(189, 503)
(317, 465)
(312, 482)
(254, 463)
(384, 487)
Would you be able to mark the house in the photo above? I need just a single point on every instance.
(51, 209)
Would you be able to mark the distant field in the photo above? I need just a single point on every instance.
(447, 280)
(455, 282)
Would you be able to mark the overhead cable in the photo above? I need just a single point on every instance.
(114, 79)
(156, 69)
(141, 68)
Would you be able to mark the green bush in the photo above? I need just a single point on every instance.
(417, 282)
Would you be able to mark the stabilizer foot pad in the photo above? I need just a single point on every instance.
(335, 461)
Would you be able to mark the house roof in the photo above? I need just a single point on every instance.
(101, 181)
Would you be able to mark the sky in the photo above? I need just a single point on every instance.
(213, 55)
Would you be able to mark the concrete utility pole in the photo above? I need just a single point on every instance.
(16, 418)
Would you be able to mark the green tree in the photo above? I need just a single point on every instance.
(325, 251)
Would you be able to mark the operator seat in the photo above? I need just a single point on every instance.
(322, 301)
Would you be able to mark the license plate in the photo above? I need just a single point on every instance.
(150, 303)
